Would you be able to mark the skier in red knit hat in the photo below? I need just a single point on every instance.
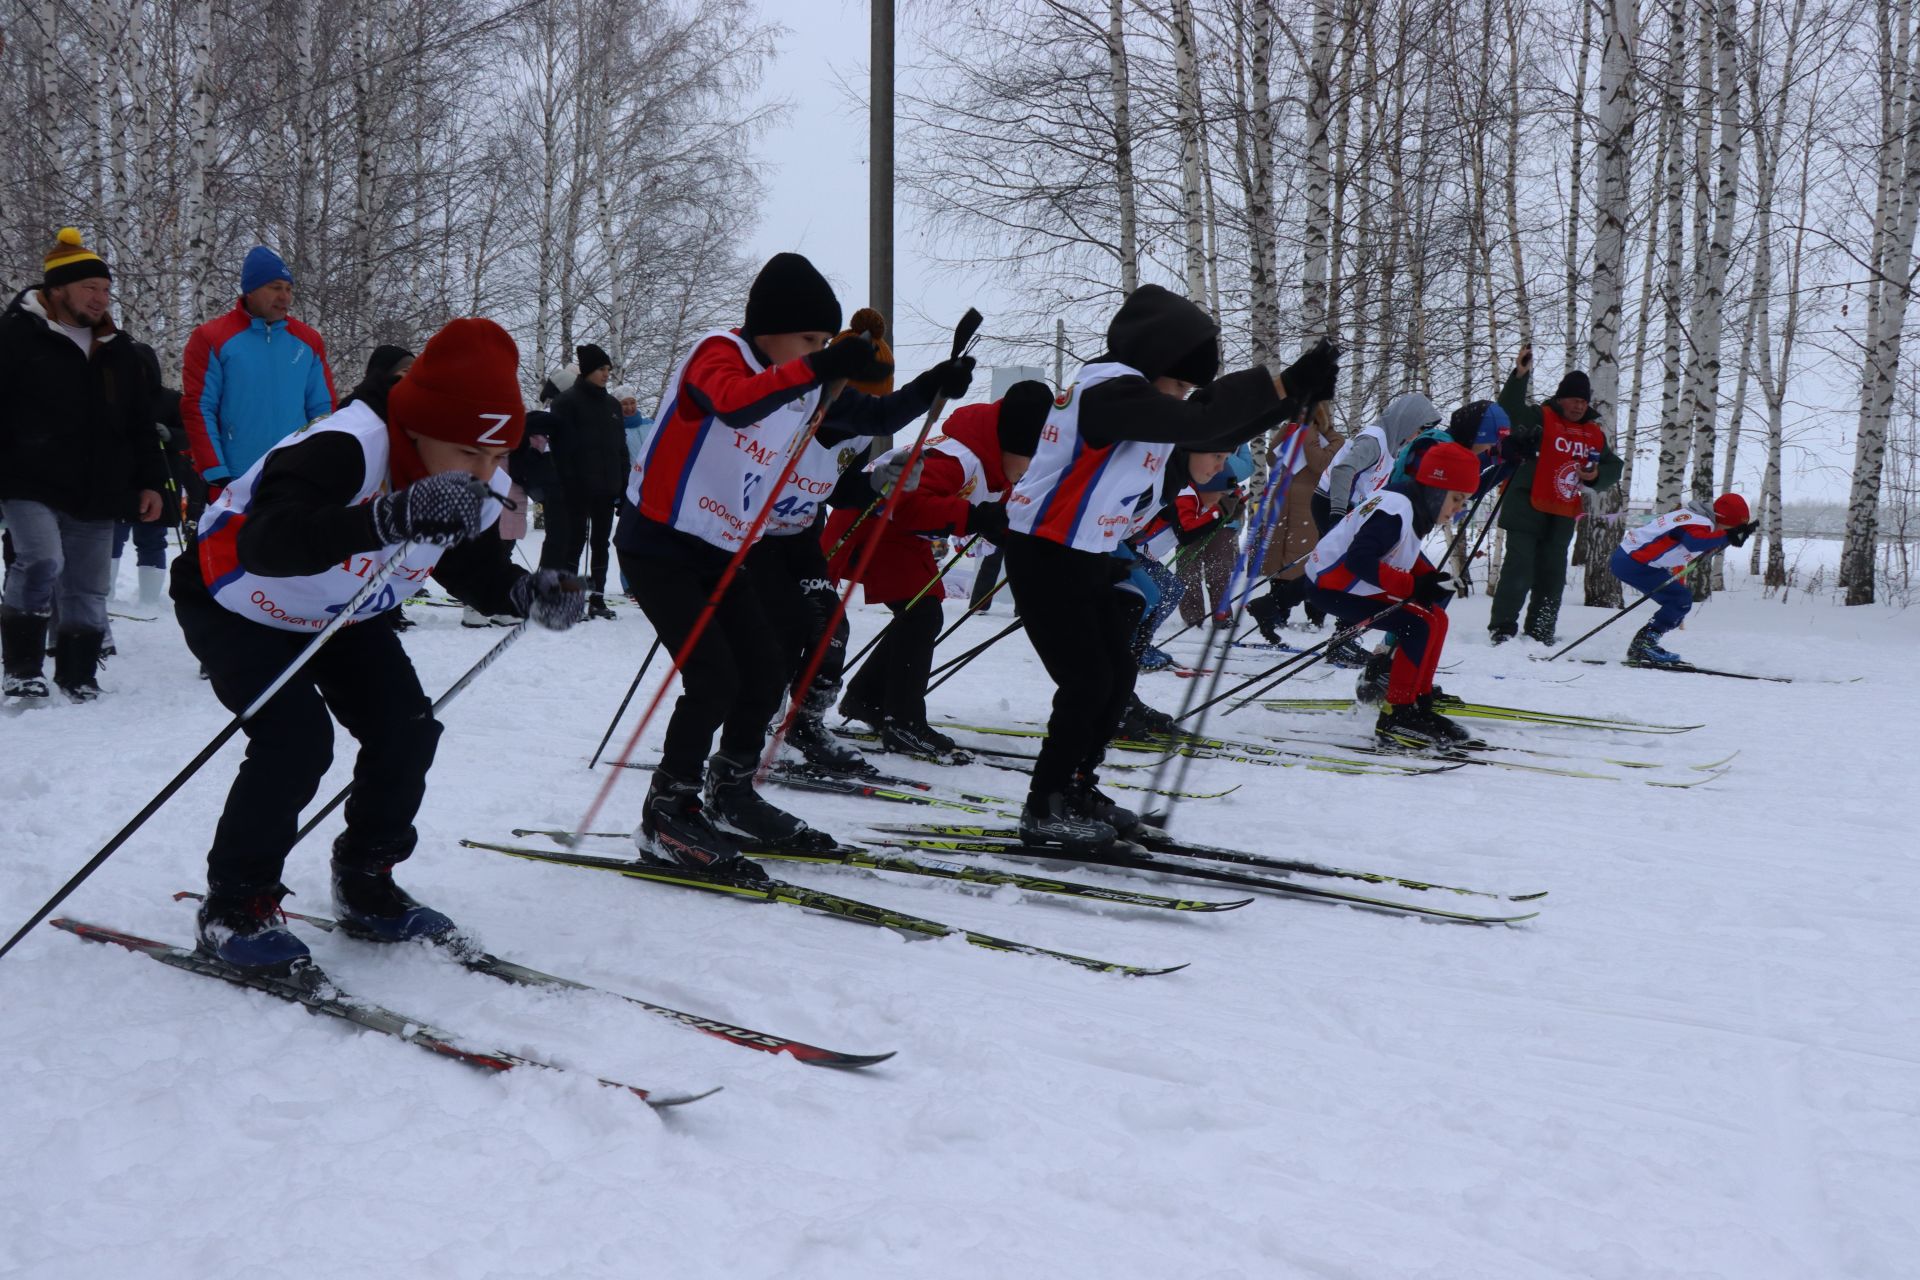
(1371, 561)
(1654, 559)
(411, 472)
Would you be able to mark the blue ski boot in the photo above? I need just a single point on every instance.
(1154, 659)
(371, 905)
(1645, 650)
(248, 932)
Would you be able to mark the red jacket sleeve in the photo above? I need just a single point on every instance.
(720, 383)
(194, 392)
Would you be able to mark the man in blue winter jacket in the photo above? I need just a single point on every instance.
(253, 376)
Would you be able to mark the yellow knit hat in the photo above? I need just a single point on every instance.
(70, 261)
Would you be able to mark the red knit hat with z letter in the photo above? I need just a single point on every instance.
(463, 388)
(1449, 466)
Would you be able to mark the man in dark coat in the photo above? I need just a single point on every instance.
(77, 451)
(589, 450)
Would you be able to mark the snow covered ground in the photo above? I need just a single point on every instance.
(1703, 1059)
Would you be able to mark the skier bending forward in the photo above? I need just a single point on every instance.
(413, 473)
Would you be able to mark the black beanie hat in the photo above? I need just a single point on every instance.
(1575, 384)
(789, 296)
(385, 356)
(1199, 366)
(590, 358)
(1023, 412)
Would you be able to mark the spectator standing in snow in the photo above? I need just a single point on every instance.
(253, 376)
(588, 434)
(77, 451)
(1563, 456)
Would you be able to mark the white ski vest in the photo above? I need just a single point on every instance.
(1324, 565)
(1653, 543)
(1084, 497)
(703, 477)
(310, 603)
(1364, 482)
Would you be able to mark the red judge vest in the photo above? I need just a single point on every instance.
(1565, 448)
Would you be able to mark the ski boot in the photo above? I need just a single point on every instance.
(1406, 728)
(1152, 659)
(1447, 733)
(855, 707)
(918, 738)
(818, 745)
(1090, 802)
(1348, 654)
(1645, 650)
(76, 664)
(1371, 688)
(674, 832)
(1141, 722)
(1500, 635)
(1053, 819)
(1266, 615)
(23, 642)
(736, 809)
(371, 905)
(248, 932)
(597, 607)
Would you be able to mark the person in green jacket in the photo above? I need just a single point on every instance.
(1564, 455)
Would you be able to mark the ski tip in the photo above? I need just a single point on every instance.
(1528, 897)
(1136, 971)
(842, 1061)
(661, 1101)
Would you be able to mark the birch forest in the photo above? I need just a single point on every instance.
(1710, 205)
(577, 169)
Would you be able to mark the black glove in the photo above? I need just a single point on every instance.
(949, 378)
(549, 598)
(1434, 588)
(852, 358)
(1520, 445)
(1739, 534)
(1313, 375)
(989, 520)
(437, 511)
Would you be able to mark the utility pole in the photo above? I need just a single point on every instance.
(880, 181)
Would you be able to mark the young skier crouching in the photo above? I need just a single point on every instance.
(410, 472)
(1654, 559)
(1371, 562)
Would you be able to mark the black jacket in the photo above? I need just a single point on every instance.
(76, 430)
(589, 438)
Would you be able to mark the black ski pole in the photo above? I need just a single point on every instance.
(1292, 660)
(1623, 612)
(971, 611)
(487, 659)
(1317, 654)
(952, 668)
(638, 676)
(853, 664)
(373, 586)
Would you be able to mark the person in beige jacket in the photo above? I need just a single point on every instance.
(1295, 533)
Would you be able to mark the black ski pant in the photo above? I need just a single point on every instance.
(363, 677)
(798, 597)
(580, 522)
(894, 676)
(1081, 626)
(731, 682)
(1533, 572)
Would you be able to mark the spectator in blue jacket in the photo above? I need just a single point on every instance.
(253, 376)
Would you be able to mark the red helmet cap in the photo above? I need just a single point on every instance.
(463, 388)
(1730, 509)
(1449, 466)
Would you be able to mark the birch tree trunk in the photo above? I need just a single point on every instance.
(1262, 252)
(1123, 147)
(361, 242)
(1613, 145)
(1314, 303)
(1575, 176)
(195, 212)
(1523, 311)
(1888, 291)
(1710, 327)
(1673, 432)
(1186, 74)
(1630, 443)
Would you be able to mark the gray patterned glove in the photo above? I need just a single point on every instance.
(549, 598)
(437, 511)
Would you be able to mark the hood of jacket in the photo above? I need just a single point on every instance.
(1154, 328)
(1406, 417)
(31, 302)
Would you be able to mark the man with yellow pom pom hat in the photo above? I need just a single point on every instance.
(77, 452)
